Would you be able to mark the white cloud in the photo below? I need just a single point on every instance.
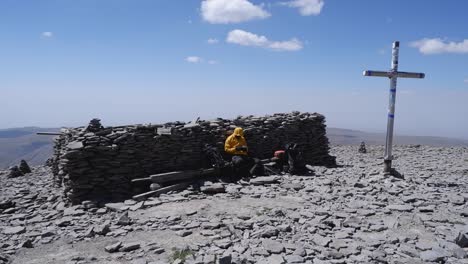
(245, 38)
(437, 46)
(193, 59)
(466, 80)
(307, 7)
(212, 41)
(47, 34)
(231, 11)
(196, 59)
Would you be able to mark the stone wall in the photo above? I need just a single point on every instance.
(99, 165)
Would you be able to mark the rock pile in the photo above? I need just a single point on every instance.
(24, 167)
(94, 125)
(16, 171)
(348, 214)
(97, 163)
(362, 148)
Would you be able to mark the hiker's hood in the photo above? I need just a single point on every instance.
(238, 131)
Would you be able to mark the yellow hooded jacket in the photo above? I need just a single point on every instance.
(236, 140)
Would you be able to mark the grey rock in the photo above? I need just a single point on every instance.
(124, 219)
(24, 167)
(223, 243)
(426, 209)
(113, 248)
(26, 244)
(117, 207)
(65, 221)
(269, 232)
(400, 207)
(225, 259)
(462, 239)
(75, 145)
(273, 259)
(14, 230)
(129, 247)
(209, 259)
(294, 186)
(184, 233)
(432, 255)
(300, 251)
(6, 204)
(102, 229)
(213, 188)
(321, 240)
(273, 246)
(264, 180)
(73, 211)
(294, 259)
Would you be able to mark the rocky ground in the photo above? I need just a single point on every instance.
(349, 214)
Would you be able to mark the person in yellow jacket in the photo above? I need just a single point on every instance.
(236, 144)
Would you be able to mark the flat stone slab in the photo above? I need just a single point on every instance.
(129, 247)
(264, 180)
(14, 230)
(273, 246)
(400, 207)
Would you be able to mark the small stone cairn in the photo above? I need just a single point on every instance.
(15, 172)
(24, 167)
(362, 148)
(94, 125)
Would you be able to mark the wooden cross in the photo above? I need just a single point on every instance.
(392, 74)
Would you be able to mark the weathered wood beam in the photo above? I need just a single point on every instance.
(180, 175)
(175, 187)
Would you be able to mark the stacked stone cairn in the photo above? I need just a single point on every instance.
(362, 148)
(16, 171)
(24, 167)
(99, 163)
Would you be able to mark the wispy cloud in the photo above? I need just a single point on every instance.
(193, 59)
(306, 7)
(196, 59)
(245, 38)
(212, 41)
(231, 11)
(438, 46)
(466, 81)
(47, 34)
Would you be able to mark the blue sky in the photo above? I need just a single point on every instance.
(64, 62)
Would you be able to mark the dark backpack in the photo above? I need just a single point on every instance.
(213, 157)
(295, 160)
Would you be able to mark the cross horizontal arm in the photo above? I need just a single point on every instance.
(376, 73)
(417, 75)
(391, 74)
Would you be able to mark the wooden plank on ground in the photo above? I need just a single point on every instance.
(180, 175)
(162, 190)
(141, 180)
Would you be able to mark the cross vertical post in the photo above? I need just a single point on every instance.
(392, 74)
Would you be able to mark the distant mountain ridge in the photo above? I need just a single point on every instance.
(23, 143)
(339, 136)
